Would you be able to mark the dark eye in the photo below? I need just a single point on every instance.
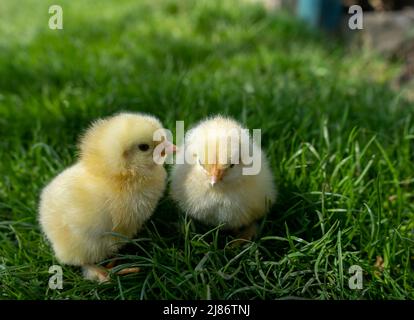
(143, 147)
(232, 165)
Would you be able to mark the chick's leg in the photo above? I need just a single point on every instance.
(244, 234)
(247, 233)
(111, 264)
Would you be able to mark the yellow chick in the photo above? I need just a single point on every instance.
(114, 187)
(212, 183)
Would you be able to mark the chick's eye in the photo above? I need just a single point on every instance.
(143, 147)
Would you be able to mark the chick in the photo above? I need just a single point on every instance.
(211, 184)
(113, 188)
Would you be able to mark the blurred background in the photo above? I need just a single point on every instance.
(388, 25)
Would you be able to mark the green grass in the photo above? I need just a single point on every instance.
(340, 142)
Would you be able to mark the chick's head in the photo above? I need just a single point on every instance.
(217, 147)
(121, 145)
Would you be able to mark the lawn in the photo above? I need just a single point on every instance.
(339, 140)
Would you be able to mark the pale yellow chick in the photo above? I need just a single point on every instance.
(212, 185)
(114, 187)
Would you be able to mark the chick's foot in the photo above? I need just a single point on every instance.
(96, 273)
(244, 235)
(247, 233)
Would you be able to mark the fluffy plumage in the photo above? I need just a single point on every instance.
(114, 187)
(218, 193)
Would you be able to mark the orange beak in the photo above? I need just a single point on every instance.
(169, 148)
(216, 175)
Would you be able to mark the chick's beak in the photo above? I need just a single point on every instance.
(169, 148)
(216, 176)
(173, 148)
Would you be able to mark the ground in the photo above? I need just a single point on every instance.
(339, 141)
